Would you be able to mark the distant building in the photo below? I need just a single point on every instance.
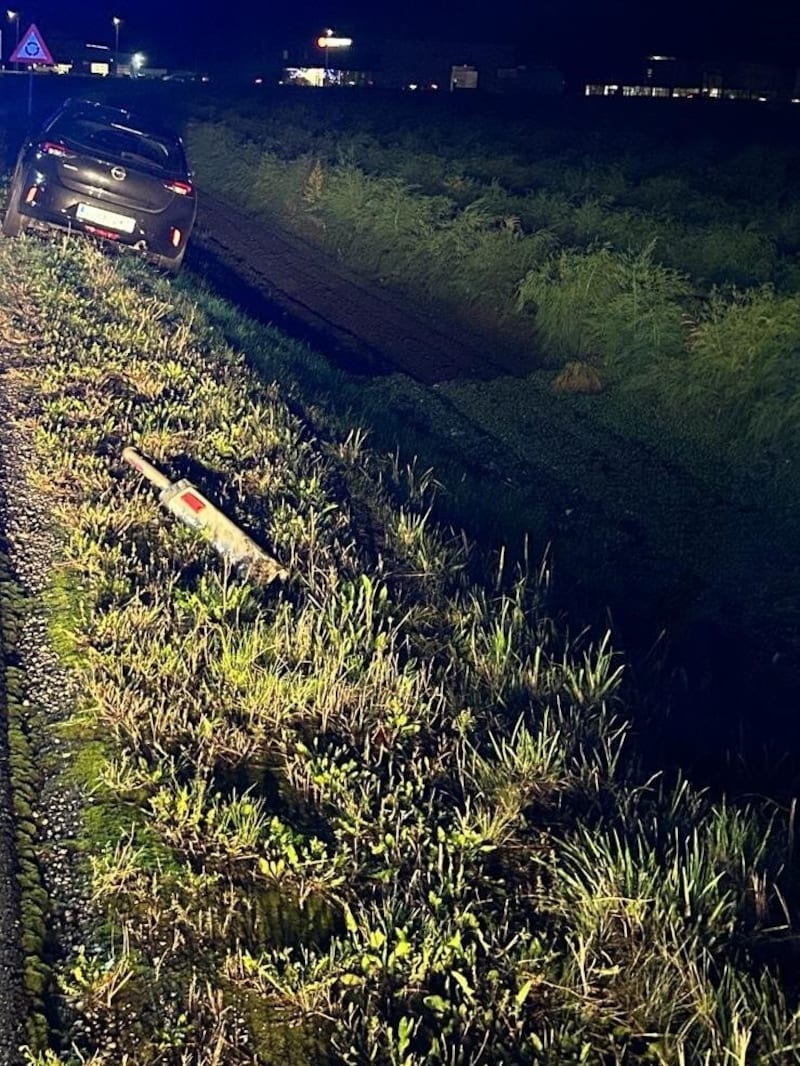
(319, 77)
(666, 77)
(85, 58)
(462, 76)
(531, 78)
(399, 64)
(421, 66)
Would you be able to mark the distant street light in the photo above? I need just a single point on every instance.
(117, 22)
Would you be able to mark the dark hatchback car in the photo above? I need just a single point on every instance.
(102, 171)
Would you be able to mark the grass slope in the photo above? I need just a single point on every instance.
(385, 813)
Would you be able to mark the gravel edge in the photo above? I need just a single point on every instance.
(12, 998)
(32, 547)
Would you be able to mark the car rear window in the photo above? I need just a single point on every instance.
(116, 140)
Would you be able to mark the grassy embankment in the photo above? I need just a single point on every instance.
(657, 255)
(672, 495)
(387, 812)
(670, 268)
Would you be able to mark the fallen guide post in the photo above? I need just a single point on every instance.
(195, 510)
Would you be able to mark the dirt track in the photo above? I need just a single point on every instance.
(365, 329)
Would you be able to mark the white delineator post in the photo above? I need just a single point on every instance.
(195, 510)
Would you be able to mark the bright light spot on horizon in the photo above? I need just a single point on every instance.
(327, 41)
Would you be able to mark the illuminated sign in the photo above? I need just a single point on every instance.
(334, 42)
(463, 77)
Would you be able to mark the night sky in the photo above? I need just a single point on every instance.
(565, 31)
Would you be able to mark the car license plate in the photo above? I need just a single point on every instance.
(110, 219)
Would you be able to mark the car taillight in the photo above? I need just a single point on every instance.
(182, 188)
(175, 236)
(53, 148)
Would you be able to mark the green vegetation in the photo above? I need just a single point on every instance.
(645, 259)
(386, 813)
(607, 244)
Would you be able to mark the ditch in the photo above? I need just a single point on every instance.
(694, 572)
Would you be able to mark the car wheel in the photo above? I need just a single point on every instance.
(170, 263)
(14, 222)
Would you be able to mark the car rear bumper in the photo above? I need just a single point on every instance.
(53, 205)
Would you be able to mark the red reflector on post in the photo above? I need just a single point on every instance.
(192, 501)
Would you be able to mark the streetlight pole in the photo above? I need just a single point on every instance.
(327, 41)
(13, 16)
(117, 23)
(328, 33)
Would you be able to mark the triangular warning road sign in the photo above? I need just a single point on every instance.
(31, 48)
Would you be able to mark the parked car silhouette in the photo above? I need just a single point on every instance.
(102, 171)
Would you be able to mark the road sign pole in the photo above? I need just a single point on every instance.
(30, 92)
